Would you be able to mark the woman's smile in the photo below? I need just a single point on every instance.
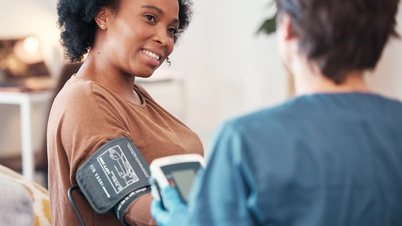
(151, 54)
(153, 57)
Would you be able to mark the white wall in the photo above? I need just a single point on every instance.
(387, 77)
(228, 70)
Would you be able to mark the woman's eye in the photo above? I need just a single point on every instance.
(173, 31)
(150, 18)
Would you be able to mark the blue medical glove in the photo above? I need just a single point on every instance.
(176, 215)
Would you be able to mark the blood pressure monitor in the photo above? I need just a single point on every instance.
(177, 171)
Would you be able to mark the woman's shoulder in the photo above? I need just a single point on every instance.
(78, 90)
(271, 113)
(77, 85)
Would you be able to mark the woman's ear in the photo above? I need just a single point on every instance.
(102, 17)
(284, 27)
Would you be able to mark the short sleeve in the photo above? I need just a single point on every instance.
(90, 120)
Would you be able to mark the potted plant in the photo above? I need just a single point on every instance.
(269, 25)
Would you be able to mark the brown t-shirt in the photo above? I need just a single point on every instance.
(86, 115)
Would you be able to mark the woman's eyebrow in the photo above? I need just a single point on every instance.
(175, 21)
(153, 7)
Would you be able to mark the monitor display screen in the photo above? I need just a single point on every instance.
(184, 180)
(181, 176)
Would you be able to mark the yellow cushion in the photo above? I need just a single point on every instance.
(39, 195)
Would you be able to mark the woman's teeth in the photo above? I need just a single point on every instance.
(151, 54)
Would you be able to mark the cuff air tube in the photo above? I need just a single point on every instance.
(113, 177)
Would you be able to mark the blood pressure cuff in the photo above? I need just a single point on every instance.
(114, 176)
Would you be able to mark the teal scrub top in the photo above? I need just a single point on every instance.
(317, 160)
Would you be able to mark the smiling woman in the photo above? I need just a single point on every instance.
(101, 107)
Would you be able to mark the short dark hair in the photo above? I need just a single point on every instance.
(76, 19)
(341, 35)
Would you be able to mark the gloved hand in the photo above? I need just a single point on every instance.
(176, 215)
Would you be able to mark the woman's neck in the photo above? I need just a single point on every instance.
(310, 80)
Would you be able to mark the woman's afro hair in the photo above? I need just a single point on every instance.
(76, 20)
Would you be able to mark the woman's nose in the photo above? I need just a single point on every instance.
(161, 37)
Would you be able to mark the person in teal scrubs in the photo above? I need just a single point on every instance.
(330, 156)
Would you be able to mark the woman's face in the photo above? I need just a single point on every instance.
(141, 35)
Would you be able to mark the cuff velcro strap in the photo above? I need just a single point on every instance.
(121, 208)
(113, 173)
